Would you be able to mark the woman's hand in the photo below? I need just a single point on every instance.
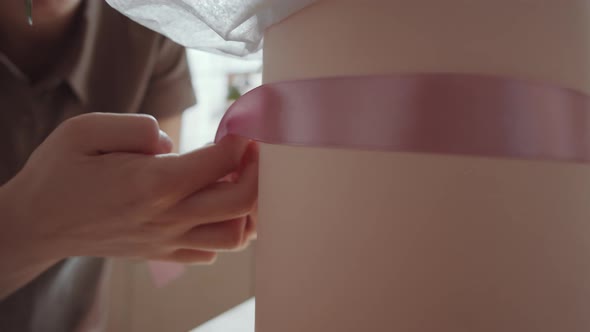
(103, 185)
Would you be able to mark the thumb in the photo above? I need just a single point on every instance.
(165, 144)
(102, 133)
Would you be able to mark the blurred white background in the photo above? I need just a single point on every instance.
(213, 76)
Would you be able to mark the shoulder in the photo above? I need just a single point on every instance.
(123, 57)
(114, 29)
(107, 17)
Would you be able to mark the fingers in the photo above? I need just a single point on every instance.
(100, 133)
(193, 171)
(214, 216)
(188, 256)
(227, 235)
(199, 244)
(222, 200)
(251, 232)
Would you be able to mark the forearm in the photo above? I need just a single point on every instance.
(16, 276)
(22, 259)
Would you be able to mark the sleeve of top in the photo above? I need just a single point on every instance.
(170, 91)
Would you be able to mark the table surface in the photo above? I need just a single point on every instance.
(238, 319)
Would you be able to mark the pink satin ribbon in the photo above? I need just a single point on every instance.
(163, 273)
(426, 113)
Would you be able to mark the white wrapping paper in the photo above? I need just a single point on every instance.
(233, 27)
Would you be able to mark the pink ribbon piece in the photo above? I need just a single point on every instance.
(164, 273)
(426, 113)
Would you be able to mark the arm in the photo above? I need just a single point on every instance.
(20, 262)
(141, 206)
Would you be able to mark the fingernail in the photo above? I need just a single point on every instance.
(250, 231)
(165, 142)
(251, 153)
